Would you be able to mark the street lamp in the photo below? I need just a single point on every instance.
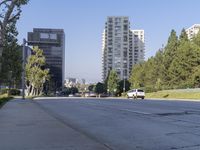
(10, 81)
(124, 85)
(23, 68)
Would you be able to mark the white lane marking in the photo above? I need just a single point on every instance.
(137, 112)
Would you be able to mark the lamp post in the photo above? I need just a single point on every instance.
(10, 81)
(23, 68)
(124, 85)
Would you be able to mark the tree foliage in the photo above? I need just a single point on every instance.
(36, 76)
(10, 51)
(11, 60)
(112, 83)
(175, 66)
(69, 90)
(11, 65)
(123, 83)
(99, 88)
(91, 87)
(10, 11)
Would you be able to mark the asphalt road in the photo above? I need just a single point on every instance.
(130, 124)
(99, 124)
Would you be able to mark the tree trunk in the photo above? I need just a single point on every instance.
(32, 91)
(28, 90)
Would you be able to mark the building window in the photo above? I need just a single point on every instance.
(44, 35)
(53, 36)
(125, 27)
(125, 38)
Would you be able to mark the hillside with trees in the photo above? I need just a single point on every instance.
(176, 66)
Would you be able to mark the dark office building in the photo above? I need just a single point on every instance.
(52, 42)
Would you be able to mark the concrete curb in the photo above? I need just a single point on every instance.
(174, 99)
(119, 98)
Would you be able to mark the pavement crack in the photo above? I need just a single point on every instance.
(187, 112)
(176, 113)
(186, 147)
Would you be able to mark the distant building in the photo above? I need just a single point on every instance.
(70, 82)
(192, 31)
(121, 47)
(74, 82)
(52, 42)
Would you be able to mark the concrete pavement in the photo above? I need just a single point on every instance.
(24, 125)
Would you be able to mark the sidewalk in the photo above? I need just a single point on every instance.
(26, 126)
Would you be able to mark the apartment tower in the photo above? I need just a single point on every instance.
(121, 47)
(192, 31)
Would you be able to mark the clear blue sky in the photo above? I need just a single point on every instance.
(84, 20)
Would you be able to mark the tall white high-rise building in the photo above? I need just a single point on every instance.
(121, 47)
(192, 31)
(137, 47)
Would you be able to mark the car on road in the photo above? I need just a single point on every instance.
(90, 94)
(136, 93)
(71, 95)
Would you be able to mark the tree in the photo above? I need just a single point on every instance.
(113, 82)
(91, 87)
(10, 73)
(177, 66)
(11, 64)
(10, 55)
(10, 11)
(99, 88)
(121, 86)
(106, 81)
(183, 36)
(183, 64)
(170, 53)
(36, 76)
(137, 76)
(73, 90)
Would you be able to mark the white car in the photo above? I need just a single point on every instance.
(136, 93)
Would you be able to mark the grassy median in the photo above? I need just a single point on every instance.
(4, 98)
(176, 94)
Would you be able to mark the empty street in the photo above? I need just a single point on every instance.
(98, 124)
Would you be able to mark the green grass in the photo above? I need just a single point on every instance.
(176, 94)
(3, 99)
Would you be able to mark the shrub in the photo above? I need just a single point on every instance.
(13, 92)
(4, 91)
(149, 89)
(4, 98)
